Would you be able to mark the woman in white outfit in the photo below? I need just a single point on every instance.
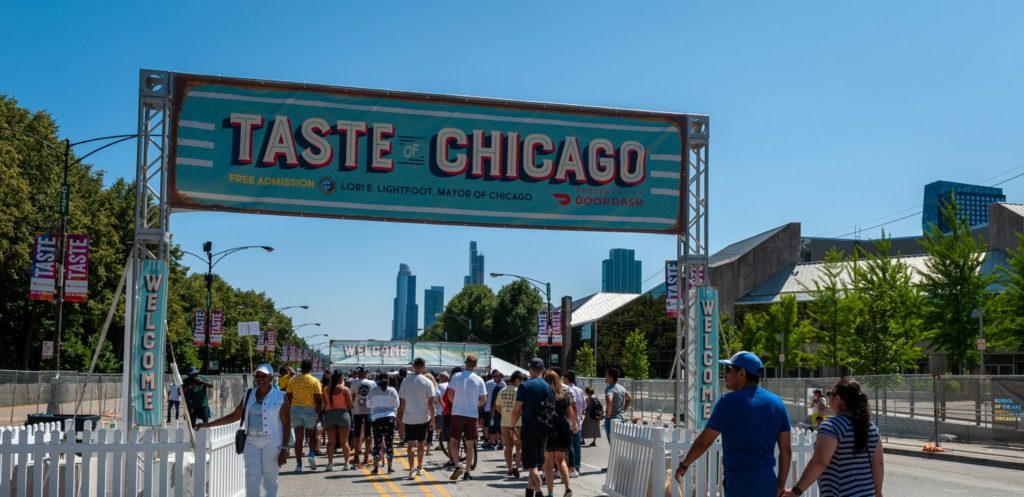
(266, 445)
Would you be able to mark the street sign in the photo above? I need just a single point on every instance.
(981, 344)
(48, 349)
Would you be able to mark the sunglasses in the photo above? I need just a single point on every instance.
(260, 376)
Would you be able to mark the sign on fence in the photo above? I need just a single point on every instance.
(148, 360)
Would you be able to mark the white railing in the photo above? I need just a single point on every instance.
(54, 461)
(642, 459)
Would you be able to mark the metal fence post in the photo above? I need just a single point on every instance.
(913, 387)
(14, 398)
(977, 401)
(935, 405)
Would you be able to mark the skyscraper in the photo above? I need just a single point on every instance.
(973, 201)
(476, 267)
(405, 320)
(620, 272)
(433, 304)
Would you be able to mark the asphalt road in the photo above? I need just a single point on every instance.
(905, 476)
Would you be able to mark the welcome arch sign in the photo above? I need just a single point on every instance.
(249, 146)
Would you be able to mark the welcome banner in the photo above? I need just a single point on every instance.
(296, 149)
(150, 335)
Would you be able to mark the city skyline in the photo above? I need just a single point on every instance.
(476, 267)
(621, 272)
(406, 312)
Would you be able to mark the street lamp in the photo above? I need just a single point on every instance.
(266, 322)
(313, 335)
(65, 198)
(547, 296)
(210, 262)
(303, 325)
(437, 315)
(980, 314)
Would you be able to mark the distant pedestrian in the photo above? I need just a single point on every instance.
(592, 421)
(491, 426)
(616, 400)
(511, 441)
(560, 439)
(819, 408)
(417, 406)
(384, 402)
(197, 399)
(264, 413)
(575, 454)
(535, 407)
(362, 434)
(467, 393)
(847, 460)
(751, 421)
(286, 374)
(436, 415)
(173, 401)
(337, 418)
(305, 394)
(446, 416)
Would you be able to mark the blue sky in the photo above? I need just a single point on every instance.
(834, 115)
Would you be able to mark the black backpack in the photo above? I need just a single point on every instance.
(545, 419)
(596, 409)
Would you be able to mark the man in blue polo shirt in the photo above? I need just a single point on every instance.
(751, 421)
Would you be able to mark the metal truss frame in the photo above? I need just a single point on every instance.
(152, 236)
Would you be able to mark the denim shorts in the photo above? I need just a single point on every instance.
(304, 417)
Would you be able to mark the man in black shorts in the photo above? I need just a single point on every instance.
(417, 414)
(530, 394)
(361, 387)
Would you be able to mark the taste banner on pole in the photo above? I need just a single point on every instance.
(216, 328)
(269, 343)
(199, 329)
(556, 329)
(671, 288)
(76, 272)
(42, 285)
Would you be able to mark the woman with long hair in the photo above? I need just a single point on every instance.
(337, 418)
(847, 458)
(560, 441)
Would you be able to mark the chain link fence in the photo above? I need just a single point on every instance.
(33, 392)
(979, 415)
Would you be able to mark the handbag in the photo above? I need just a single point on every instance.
(240, 434)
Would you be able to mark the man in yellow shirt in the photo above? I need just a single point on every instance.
(306, 398)
(286, 374)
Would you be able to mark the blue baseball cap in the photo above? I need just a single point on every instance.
(744, 360)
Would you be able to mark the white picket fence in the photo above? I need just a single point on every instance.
(54, 461)
(643, 457)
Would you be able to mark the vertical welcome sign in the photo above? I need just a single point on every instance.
(150, 334)
(707, 354)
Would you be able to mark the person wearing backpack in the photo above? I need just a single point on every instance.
(566, 423)
(535, 406)
(592, 422)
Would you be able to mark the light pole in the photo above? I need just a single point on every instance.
(980, 314)
(547, 297)
(469, 326)
(437, 315)
(65, 199)
(210, 262)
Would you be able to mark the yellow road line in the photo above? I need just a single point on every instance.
(426, 488)
(436, 485)
(373, 481)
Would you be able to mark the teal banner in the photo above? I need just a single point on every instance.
(148, 348)
(370, 352)
(264, 147)
(707, 354)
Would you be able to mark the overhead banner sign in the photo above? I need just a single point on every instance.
(249, 329)
(297, 149)
(367, 352)
(451, 354)
(42, 285)
(150, 334)
(76, 264)
(671, 288)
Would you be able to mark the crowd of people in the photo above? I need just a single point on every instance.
(539, 420)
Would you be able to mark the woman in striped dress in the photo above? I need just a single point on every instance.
(847, 460)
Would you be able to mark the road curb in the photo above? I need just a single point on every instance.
(954, 457)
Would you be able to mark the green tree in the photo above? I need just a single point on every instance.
(515, 321)
(730, 340)
(648, 315)
(584, 364)
(1007, 316)
(885, 337)
(634, 356)
(954, 286)
(832, 314)
(474, 304)
(777, 331)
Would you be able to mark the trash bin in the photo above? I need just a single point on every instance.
(80, 420)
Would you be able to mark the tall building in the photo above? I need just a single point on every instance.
(620, 272)
(476, 267)
(972, 199)
(405, 320)
(433, 304)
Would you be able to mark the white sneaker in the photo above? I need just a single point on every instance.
(574, 474)
(412, 474)
(419, 471)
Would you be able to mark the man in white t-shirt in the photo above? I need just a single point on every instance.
(416, 413)
(173, 400)
(467, 394)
